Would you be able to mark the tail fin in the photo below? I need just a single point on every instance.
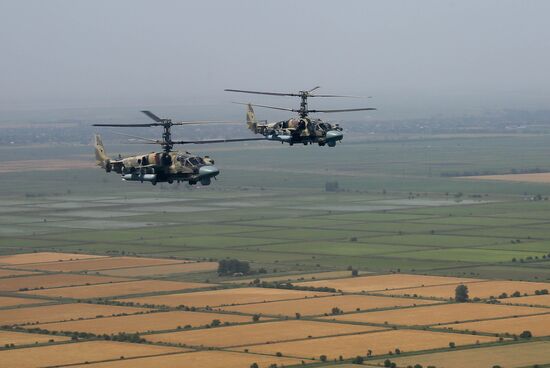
(251, 119)
(101, 157)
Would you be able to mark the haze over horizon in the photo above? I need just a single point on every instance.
(422, 57)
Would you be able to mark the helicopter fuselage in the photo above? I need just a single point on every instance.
(159, 167)
(302, 130)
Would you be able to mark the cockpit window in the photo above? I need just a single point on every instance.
(195, 161)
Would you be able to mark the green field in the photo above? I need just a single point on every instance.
(395, 210)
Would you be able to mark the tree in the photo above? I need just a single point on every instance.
(254, 365)
(358, 360)
(232, 266)
(331, 186)
(323, 358)
(461, 293)
(526, 335)
(354, 273)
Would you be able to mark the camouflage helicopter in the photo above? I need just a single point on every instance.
(166, 166)
(302, 129)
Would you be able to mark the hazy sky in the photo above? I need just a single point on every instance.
(410, 55)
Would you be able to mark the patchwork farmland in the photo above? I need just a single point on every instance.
(100, 321)
(373, 276)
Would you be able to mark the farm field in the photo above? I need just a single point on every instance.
(211, 359)
(143, 322)
(299, 277)
(528, 178)
(439, 314)
(103, 263)
(6, 272)
(517, 355)
(87, 351)
(379, 342)
(482, 290)
(537, 300)
(219, 298)
(538, 325)
(261, 333)
(47, 281)
(61, 312)
(384, 282)
(43, 257)
(10, 301)
(188, 267)
(320, 306)
(21, 338)
(398, 222)
(116, 289)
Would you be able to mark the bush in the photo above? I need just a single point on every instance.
(358, 360)
(526, 335)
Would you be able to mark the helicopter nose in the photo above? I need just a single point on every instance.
(208, 171)
(334, 135)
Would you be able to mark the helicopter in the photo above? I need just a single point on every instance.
(167, 166)
(302, 129)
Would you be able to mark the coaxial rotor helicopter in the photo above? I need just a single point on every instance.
(303, 129)
(166, 166)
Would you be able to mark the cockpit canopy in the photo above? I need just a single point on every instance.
(191, 161)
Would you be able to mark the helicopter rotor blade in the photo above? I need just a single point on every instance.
(262, 93)
(127, 125)
(308, 93)
(208, 141)
(344, 110)
(199, 122)
(346, 96)
(267, 106)
(152, 116)
(138, 137)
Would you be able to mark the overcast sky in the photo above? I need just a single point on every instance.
(411, 56)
